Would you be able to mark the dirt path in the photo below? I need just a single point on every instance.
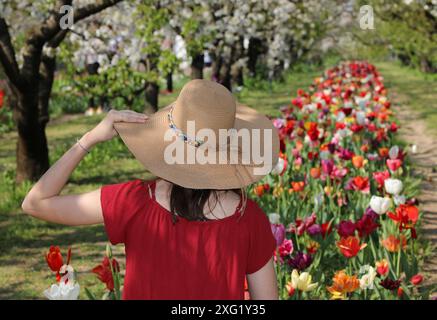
(414, 131)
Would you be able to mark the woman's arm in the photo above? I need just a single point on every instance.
(263, 283)
(43, 200)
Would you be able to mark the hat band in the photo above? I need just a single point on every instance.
(191, 141)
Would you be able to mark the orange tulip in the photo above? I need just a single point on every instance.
(358, 161)
(342, 284)
(383, 152)
(315, 172)
(350, 246)
(298, 186)
(259, 190)
(393, 244)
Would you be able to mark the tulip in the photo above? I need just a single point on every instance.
(315, 172)
(400, 199)
(63, 291)
(393, 164)
(366, 225)
(416, 279)
(290, 289)
(358, 161)
(301, 261)
(393, 186)
(278, 229)
(285, 248)
(379, 204)
(393, 152)
(54, 258)
(343, 284)
(380, 177)
(390, 284)
(350, 246)
(104, 273)
(393, 244)
(359, 184)
(259, 190)
(366, 281)
(327, 166)
(280, 167)
(346, 228)
(382, 267)
(302, 281)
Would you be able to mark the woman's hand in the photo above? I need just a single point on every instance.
(44, 200)
(105, 129)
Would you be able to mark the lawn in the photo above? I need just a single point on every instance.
(23, 240)
(413, 89)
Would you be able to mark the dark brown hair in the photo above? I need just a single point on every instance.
(189, 203)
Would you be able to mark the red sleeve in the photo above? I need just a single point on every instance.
(262, 243)
(120, 202)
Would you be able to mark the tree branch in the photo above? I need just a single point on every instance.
(50, 29)
(7, 55)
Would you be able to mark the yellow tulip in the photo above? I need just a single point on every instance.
(302, 281)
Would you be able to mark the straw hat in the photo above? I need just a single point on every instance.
(209, 106)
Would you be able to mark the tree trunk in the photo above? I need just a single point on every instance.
(169, 79)
(426, 65)
(253, 53)
(197, 65)
(152, 92)
(32, 152)
(224, 76)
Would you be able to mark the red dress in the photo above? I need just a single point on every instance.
(188, 260)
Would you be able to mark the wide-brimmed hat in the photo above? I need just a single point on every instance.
(212, 110)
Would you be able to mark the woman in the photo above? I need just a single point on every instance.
(192, 233)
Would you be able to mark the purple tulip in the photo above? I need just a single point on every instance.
(315, 229)
(278, 232)
(301, 261)
(372, 214)
(346, 228)
(345, 154)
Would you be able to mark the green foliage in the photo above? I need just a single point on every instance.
(406, 30)
(11, 194)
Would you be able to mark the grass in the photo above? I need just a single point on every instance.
(24, 241)
(413, 89)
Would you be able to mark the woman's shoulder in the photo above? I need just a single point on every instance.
(253, 212)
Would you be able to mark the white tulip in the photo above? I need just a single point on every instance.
(361, 117)
(274, 218)
(279, 166)
(399, 199)
(379, 204)
(414, 148)
(394, 152)
(63, 291)
(393, 186)
(367, 280)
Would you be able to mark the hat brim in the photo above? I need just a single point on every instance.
(146, 142)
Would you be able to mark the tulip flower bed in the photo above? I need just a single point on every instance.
(341, 200)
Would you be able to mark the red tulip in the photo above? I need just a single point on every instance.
(54, 258)
(416, 279)
(103, 272)
(393, 164)
(380, 177)
(350, 246)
